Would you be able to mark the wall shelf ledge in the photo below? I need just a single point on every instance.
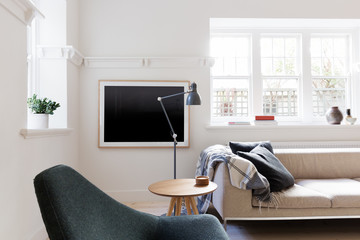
(43, 133)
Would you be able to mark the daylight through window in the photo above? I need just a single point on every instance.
(277, 70)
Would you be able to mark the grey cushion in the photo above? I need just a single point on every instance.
(248, 146)
(270, 167)
(72, 208)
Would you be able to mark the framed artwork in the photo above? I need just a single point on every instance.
(130, 114)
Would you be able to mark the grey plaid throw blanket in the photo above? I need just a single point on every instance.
(243, 174)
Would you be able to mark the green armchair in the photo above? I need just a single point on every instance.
(72, 208)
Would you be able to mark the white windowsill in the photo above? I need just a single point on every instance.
(282, 126)
(43, 133)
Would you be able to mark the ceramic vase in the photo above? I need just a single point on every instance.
(334, 115)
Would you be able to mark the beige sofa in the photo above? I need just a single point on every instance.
(327, 185)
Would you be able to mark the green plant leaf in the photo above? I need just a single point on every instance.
(42, 106)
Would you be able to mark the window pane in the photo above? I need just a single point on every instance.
(266, 66)
(266, 47)
(232, 55)
(340, 47)
(230, 98)
(242, 66)
(280, 97)
(328, 92)
(218, 68)
(316, 47)
(327, 47)
(290, 47)
(339, 66)
(327, 67)
(316, 66)
(278, 47)
(329, 89)
(229, 66)
(290, 67)
(278, 67)
(282, 53)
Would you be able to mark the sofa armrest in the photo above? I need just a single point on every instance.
(228, 200)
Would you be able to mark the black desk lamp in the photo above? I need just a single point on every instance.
(192, 99)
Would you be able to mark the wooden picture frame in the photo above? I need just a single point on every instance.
(130, 116)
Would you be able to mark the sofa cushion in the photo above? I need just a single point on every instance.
(297, 197)
(270, 167)
(343, 192)
(325, 163)
(248, 146)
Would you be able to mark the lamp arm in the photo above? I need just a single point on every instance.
(167, 118)
(173, 95)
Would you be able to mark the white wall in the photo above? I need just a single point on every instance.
(161, 28)
(21, 159)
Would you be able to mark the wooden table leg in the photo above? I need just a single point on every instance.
(187, 204)
(171, 206)
(178, 206)
(193, 206)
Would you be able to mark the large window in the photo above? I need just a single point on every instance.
(294, 73)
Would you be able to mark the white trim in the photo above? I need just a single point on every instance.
(24, 10)
(148, 62)
(41, 133)
(61, 52)
(283, 23)
(290, 126)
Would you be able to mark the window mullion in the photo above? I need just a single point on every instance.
(306, 86)
(256, 78)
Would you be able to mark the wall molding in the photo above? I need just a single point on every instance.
(148, 62)
(24, 10)
(61, 52)
(76, 57)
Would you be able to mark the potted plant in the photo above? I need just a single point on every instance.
(41, 109)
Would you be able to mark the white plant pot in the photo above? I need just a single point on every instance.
(38, 121)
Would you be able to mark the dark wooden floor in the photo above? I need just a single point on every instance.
(337, 229)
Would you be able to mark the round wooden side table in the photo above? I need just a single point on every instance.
(178, 189)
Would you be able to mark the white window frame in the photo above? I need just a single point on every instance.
(239, 77)
(305, 77)
(33, 61)
(347, 76)
(296, 76)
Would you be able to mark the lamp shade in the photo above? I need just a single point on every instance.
(193, 98)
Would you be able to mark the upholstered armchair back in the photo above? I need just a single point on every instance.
(74, 209)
